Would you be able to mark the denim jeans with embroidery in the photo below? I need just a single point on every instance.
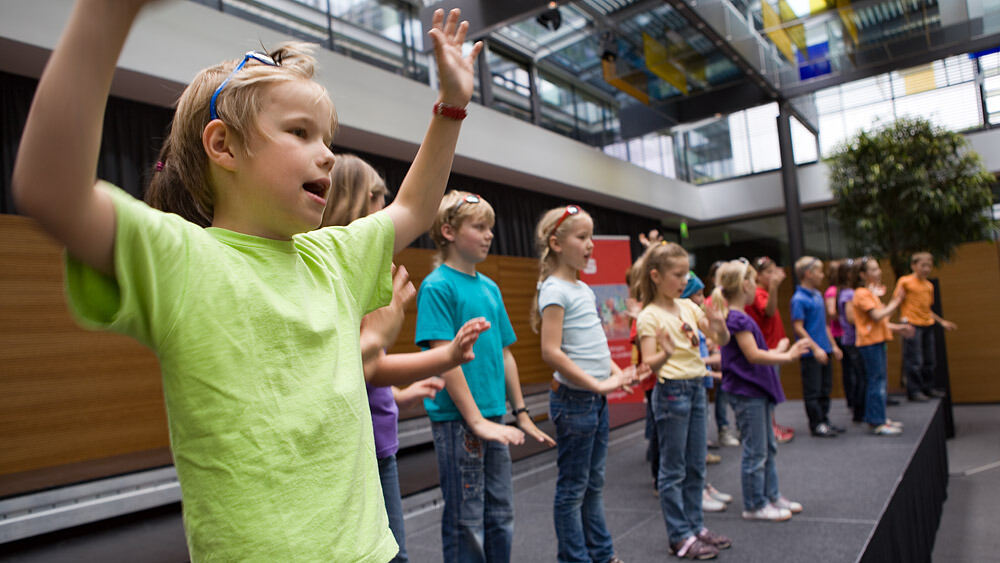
(477, 523)
(581, 420)
(679, 409)
(758, 472)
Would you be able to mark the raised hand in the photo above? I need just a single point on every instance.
(455, 72)
(461, 345)
(653, 238)
(418, 390)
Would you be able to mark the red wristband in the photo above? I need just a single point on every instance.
(449, 111)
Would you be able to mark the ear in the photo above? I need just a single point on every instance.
(655, 276)
(448, 232)
(218, 142)
(554, 244)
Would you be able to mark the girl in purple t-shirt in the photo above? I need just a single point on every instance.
(853, 367)
(753, 389)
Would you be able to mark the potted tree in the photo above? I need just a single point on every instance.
(910, 186)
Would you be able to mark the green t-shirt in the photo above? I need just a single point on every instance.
(259, 350)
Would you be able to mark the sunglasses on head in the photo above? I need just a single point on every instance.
(262, 58)
(570, 210)
(470, 198)
(762, 262)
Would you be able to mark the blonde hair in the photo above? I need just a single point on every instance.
(355, 182)
(181, 182)
(548, 261)
(729, 280)
(455, 211)
(806, 263)
(657, 257)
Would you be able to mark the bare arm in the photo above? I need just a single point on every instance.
(755, 355)
(65, 124)
(420, 194)
(831, 305)
(877, 314)
(713, 324)
(402, 369)
(798, 327)
(948, 325)
(656, 350)
(553, 355)
(513, 384)
(458, 390)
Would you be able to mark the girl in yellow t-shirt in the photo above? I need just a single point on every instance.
(668, 338)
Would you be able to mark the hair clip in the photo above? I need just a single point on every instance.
(159, 165)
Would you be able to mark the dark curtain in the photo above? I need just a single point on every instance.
(133, 132)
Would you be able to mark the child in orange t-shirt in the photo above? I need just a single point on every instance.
(915, 309)
(872, 330)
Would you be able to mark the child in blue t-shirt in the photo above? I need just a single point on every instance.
(808, 312)
(471, 442)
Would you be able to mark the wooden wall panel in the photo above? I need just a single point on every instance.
(66, 395)
(970, 297)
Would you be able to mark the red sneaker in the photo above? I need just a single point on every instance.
(783, 434)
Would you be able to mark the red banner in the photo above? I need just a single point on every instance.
(605, 274)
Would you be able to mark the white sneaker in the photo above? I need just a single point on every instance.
(717, 494)
(768, 512)
(727, 437)
(709, 504)
(789, 505)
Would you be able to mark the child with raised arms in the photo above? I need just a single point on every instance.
(575, 346)
(668, 336)
(255, 320)
(357, 191)
(471, 442)
(754, 390)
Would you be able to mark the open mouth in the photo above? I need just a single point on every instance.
(318, 188)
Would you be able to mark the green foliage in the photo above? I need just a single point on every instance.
(910, 187)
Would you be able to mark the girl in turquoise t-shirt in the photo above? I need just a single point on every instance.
(575, 346)
(255, 319)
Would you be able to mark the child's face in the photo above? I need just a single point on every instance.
(872, 272)
(471, 243)
(284, 177)
(815, 275)
(922, 267)
(671, 279)
(698, 297)
(577, 243)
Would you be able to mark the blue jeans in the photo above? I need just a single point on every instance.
(758, 472)
(581, 420)
(388, 473)
(721, 401)
(873, 358)
(679, 409)
(477, 523)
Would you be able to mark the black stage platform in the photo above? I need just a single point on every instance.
(866, 498)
